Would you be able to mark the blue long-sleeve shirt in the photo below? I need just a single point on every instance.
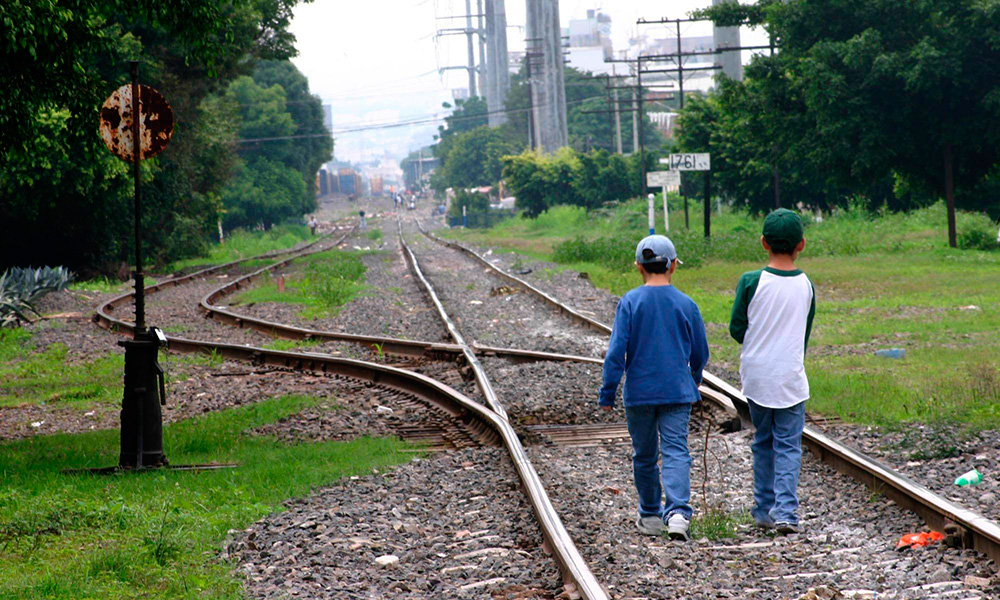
(658, 341)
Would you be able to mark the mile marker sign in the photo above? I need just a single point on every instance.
(688, 162)
(663, 179)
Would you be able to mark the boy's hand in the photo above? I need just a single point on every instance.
(606, 407)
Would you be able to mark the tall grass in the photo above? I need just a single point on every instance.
(610, 241)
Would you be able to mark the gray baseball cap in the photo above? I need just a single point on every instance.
(661, 247)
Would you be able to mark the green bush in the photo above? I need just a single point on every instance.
(474, 203)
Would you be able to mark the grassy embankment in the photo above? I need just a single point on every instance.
(156, 535)
(881, 281)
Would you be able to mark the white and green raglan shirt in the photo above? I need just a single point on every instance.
(772, 317)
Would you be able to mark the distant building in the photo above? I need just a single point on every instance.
(590, 43)
(460, 93)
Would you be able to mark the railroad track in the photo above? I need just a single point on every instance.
(480, 424)
(579, 582)
(963, 527)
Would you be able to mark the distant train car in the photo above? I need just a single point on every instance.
(376, 185)
(350, 183)
(323, 185)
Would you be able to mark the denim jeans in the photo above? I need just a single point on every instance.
(777, 456)
(661, 429)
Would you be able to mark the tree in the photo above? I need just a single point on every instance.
(307, 154)
(474, 159)
(889, 89)
(61, 60)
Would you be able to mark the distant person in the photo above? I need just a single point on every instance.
(772, 317)
(413, 204)
(313, 224)
(361, 213)
(659, 343)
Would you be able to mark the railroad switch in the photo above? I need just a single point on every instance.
(145, 392)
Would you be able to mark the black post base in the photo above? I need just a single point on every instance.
(141, 417)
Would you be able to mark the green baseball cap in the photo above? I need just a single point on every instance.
(783, 230)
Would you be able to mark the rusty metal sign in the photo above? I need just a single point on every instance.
(155, 127)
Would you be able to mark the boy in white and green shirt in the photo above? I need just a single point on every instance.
(772, 317)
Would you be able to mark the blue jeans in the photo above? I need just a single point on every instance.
(777, 456)
(661, 429)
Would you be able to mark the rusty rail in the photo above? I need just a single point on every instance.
(963, 526)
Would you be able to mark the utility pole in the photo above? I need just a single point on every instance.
(637, 118)
(472, 54)
(680, 67)
(484, 87)
(544, 37)
(618, 115)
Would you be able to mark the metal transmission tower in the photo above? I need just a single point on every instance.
(467, 31)
(549, 94)
(497, 75)
(728, 37)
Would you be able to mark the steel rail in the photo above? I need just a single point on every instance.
(103, 318)
(485, 387)
(578, 579)
(963, 526)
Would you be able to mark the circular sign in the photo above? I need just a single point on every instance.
(155, 127)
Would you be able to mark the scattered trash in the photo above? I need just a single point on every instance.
(919, 540)
(891, 353)
(383, 410)
(969, 307)
(90, 413)
(488, 252)
(37, 424)
(972, 477)
(475, 302)
(523, 271)
(584, 275)
(612, 490)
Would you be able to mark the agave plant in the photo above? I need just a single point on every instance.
(20, 288)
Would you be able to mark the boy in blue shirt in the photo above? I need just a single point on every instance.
(659, 342)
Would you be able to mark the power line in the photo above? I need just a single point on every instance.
(416, 121)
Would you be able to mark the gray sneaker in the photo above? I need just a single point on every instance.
(677, 527)
(785, 528)
(649, 525)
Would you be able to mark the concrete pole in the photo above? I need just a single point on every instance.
(549, 97)
(618, 119)
(492, 105)
(728, 37)
(484, 88)
(635, 121)
(557, 78)
(472, 53)
(500, 44)
(535, 70)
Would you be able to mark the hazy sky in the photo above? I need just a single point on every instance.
(377, 61)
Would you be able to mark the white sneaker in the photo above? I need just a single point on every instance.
(677, 527)
(650, 525)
